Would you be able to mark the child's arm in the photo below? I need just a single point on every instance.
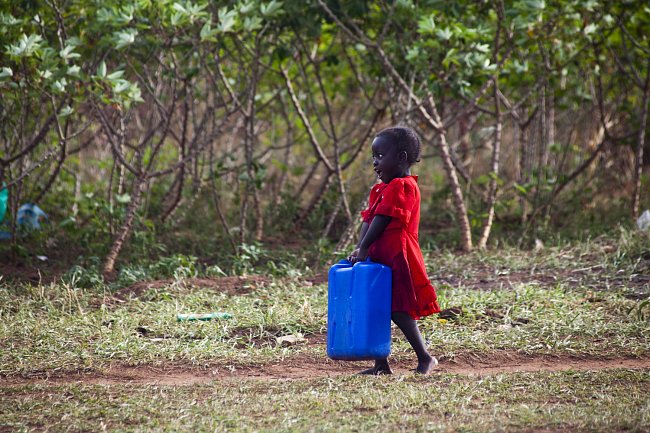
(369, 234)
(362, 233)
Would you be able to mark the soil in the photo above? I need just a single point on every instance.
(21, 272)
(304, 367)
(237, 285)
(589, 278)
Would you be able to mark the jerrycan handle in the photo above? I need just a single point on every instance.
(347, 262)
(366, 261)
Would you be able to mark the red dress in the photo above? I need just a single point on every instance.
(398, 245)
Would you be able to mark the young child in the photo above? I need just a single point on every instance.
(389, 235)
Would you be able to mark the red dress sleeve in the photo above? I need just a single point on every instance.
(397, 201)
(365, 216)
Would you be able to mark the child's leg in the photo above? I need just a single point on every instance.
(409, 327)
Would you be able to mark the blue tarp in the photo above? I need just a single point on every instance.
(30, 215)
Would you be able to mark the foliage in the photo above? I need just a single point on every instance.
(128, 119)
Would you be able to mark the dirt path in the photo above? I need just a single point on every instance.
(306, 368)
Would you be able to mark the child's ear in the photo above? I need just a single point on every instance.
(402, 156)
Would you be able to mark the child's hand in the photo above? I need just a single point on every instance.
(358, 255)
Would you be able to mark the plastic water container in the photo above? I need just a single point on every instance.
(4, 196)
(358, 311)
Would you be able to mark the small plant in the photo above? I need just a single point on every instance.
(85, 276)
(249, 255)
(641, 311)
(177, 266)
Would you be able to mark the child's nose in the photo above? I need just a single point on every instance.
(375, 162)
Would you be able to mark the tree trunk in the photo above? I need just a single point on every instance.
(125, 229)
(525, 164)
(541, 156)
(638, 163)
(179, 182)
(332, 218)
(316, 199)
(494, 171)
(550, 124)
(457, 193)
(353, 228)
(464, 144)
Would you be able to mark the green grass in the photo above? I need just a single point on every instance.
(67, 333)
(61, 327)
(568, 401)
(594, 307)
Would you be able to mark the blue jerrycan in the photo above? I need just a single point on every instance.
(358, 311)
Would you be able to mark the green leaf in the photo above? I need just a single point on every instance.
(483, 179)
(489, 66)
(70, 221)
(227, 19)
(8, 20)
(177, 18)
(444, 34)
(125, 38)
(413, 54)
(450, 57)
(280, 165)
(519, 66)
(101, 69)
(521, 189)
(590, 28)
(589, 5)
(126, 14)
(5, 73)
(247, 7)
(26, 47)
(179, 8)
(115, 75)
(252, 23)
(45, 74)
(65, 111)
(74, 70)
(538, 5)
(59, 85)
(123, 198)
(482, 48)
(105, 15)
(68, 53)
(206, 31)
(426, 24)
(272, 8)
(120, 86)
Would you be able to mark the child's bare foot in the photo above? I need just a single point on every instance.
(380, 367)
(425, 366)
(376, 371)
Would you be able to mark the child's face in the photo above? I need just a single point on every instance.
(388, 164)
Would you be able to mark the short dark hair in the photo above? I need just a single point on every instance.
(405, 139)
